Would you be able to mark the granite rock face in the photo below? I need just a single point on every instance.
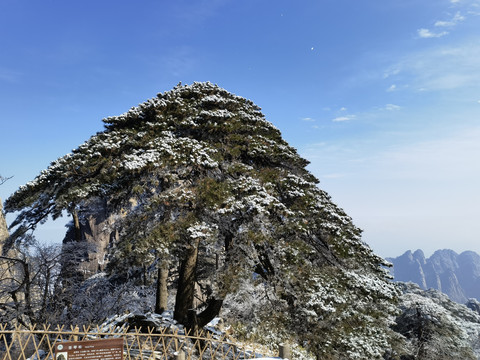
(99, 236)
(457, 275)
(3, 226)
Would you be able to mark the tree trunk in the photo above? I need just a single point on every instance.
(27, 292)
(212, 310)
(161, 298)
(186, 284)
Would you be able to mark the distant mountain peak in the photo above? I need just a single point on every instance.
(457, 275)
(419, 255)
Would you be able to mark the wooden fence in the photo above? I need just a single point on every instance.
(39, 343)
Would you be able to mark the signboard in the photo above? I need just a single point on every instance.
(107, 349)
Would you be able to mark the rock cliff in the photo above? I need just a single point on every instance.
(98, 234)
(457, 275)
(3, 227)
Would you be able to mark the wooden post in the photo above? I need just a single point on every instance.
(284, 351)
(75, 331)
(180, 355)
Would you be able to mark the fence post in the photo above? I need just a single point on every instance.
(284, 351)
(75, 331)
(180, 355)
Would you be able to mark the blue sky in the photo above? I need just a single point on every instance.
(383, 97)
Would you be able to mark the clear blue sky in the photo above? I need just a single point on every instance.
(383, 97)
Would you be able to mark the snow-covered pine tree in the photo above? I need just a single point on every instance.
(200, 181)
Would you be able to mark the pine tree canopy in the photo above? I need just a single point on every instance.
(199, 167)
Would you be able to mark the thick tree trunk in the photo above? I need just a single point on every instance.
(186, 284)
(161, 298)
(212, 310)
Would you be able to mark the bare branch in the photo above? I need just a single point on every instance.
(4, 179)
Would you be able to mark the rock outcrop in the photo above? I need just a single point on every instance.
(98, 236)
(457, 275)
(3, 227)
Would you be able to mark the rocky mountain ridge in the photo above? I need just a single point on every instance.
(457, 275)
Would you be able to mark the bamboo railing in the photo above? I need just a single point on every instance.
(38, 343)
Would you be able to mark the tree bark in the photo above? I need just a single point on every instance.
(161, 298)
(212, 310)
(186, 284)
